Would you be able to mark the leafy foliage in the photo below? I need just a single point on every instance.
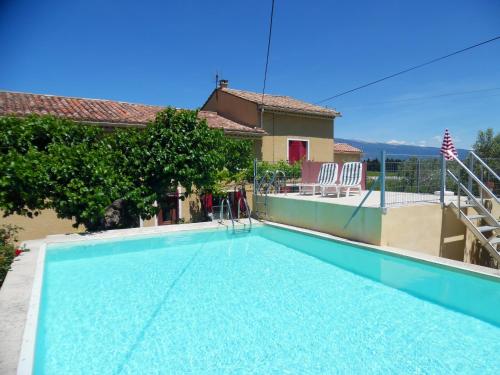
(79, 170)
(7, 249)
(487, 144)
(292, 171)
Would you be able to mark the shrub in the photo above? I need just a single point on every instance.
(79, 170)
(7, 249)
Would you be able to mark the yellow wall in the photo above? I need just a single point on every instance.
(40, 226)
(413, 228)
(233, 108)
(425, 228)
(282, 127)
(346, 157)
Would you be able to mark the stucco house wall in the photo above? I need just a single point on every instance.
(233, 108)
(281, 127)
(346, 157)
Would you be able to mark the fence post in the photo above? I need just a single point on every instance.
(418, 175)
(443, 180)
(382, 181)
(471, 167)
(254, 176)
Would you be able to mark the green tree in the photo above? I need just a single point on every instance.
(487, 144)
(79, 170)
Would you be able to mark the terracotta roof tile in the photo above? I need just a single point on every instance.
(103, 111)
(345, 147)
(283, 103)
(230, 127)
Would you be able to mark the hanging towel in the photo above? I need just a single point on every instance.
(208, 200)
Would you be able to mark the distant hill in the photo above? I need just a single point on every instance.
(372, 150)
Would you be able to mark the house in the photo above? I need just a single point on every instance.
(110, 115)
(281, 127)
(344, 152)
(294, 130)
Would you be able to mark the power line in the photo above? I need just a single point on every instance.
(428, 97)
(408, 70)
(268, 50)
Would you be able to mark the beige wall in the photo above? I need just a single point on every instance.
(328, 218)
(425, 228)
(48, 223)
(346, 156)
(282, 127)
(413, 228)
(40, 226)
(233, 108)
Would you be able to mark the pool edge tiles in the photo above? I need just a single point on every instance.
(26, 361)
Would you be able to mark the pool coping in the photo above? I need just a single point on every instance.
(26, 346)
(452, 264)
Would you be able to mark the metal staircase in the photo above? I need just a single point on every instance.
(270, 183)
(471, 208)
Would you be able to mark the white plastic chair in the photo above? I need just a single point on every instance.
(350, 179)
(327, 176)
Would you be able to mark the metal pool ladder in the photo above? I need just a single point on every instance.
(236, 220)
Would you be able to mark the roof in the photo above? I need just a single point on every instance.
(230, 127)
(345, 148)
(283, 103)
(78, 109)
(101, 111)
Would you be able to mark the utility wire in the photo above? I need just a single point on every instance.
(408, 70)
(428, 97)
(268, 50)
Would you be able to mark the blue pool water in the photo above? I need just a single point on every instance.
(268, 302)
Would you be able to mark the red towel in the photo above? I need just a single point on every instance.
(208, 200)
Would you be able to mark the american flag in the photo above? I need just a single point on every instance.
(448, 146)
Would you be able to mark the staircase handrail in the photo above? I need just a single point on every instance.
(474, 177)
(483, 163)
(488, 216)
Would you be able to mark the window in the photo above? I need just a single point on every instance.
(297, 150)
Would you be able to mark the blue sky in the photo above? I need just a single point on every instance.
(167, 53)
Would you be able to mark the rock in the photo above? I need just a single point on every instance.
(117, 216)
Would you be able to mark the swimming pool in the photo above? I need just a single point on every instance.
(268, 301)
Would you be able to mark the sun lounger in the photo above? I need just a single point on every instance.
(327, 175)
(350, 179)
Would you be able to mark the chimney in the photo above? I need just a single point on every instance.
(223, 83)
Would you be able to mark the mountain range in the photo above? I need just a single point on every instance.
(372, 150)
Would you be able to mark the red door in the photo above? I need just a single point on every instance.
(297, 151)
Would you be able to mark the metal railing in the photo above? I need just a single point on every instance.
(225, 202)
(409, 180)
(248, 211)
